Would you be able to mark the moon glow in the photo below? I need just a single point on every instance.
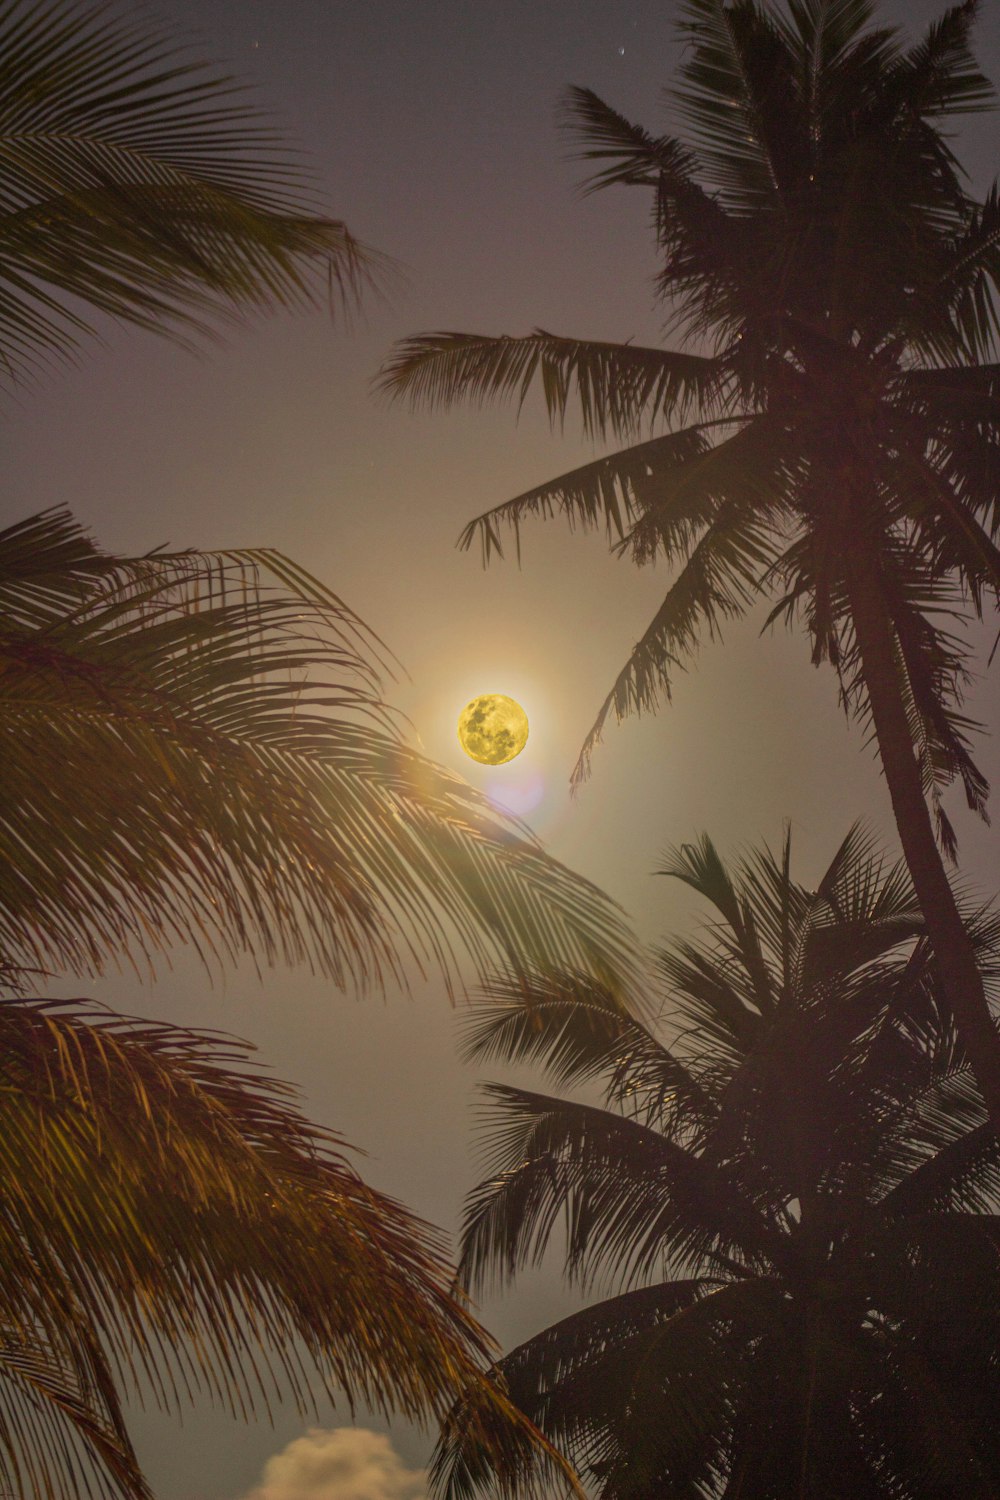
(493, 729)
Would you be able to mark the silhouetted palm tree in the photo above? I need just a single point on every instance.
(171, 1223)
(196, 752)
(795, 1200)
(140, 184)
(820, 242)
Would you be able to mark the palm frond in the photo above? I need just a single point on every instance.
(617, 387)
(637, 158)
(61, 1427)
(718, 582)
(679, 498)
(957, 307)
(943, 78)
(534, 1376)
(964, 1174)
(141, 186)
(945, 524)
(577, 1029)
(827, 31)
(714, 1002)
(864, 910)
(935, 666)
(613, 491)
(629, 1196)
(204, 742)
(497, 1436)
(533, 1370)
(642, 1403)
(700, 866)
(739, 97)
(172, 1218)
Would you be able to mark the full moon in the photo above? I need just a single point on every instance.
(493, 729)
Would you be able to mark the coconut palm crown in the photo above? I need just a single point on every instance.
(826, 434)
(197, 754)
(197, 751)
(789, 1188)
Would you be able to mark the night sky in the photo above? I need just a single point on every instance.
(432, 126)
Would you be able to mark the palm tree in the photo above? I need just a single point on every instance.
(143, 186)
(197, 751)
(793, 1202)
(823, 252)
(171, 1223)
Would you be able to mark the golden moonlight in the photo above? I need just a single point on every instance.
(493, 729)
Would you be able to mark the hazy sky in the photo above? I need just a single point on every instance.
(433, 128)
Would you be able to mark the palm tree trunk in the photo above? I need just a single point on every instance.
(959, 973)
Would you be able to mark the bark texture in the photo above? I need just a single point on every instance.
(954, 954)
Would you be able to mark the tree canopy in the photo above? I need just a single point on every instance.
(788, 1191)
(139, 184)
(173, 1225)
(825, 433)
(197, 753)
(197, 750)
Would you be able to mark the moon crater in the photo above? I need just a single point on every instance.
(493, 729)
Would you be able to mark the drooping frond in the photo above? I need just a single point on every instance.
(931, 666)
(171, 1218)
(950, 398)
(629, 1197)
(636, 158)
(963, 1174)
(196, 745)
(635, 1387)
(577, 1029)
(62, 1432)
(718, 582)
(618, 388)
(612, 492)
(137, 185)
(535, 1375)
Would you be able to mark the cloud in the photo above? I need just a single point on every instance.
(343, 1463)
